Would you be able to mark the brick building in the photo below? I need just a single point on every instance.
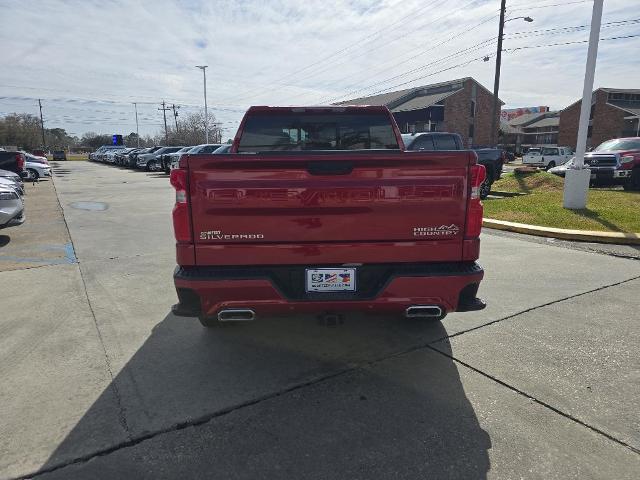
(462, 106)
(615, 113)
(539, 129)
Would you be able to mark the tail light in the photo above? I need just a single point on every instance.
(181, 216)
(474, 209)
(20, 161)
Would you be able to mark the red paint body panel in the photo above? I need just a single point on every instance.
(261, 200)
(294, 209)
(328, 253)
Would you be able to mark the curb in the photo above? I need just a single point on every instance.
(564, 234)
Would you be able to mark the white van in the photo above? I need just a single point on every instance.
(547, 157)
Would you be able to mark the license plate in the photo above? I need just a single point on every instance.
(331, 279)
(593, 176)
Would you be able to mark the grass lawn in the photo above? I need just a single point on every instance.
(608, 209)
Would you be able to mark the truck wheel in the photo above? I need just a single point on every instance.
(151, 166)
(32, 174)
(633, 184)
(550, 165)
(485, 187)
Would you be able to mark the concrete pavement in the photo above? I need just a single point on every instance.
(104, 382)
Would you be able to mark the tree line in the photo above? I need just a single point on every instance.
(23, 130)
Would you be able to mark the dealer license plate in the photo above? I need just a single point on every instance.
(331, 279)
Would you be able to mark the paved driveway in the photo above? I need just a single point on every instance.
(99, 380)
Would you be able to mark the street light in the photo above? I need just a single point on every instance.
(496, 83)
(206, 116)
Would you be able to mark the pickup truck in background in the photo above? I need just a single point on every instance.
(614, 162)
(493, 159)
(547, 157)
(12, 161)
(321, 210)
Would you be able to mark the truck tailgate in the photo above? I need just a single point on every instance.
(405, 198)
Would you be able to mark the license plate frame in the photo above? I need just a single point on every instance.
(333, 280)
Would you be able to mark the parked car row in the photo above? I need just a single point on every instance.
(12, 164)
(152, 159)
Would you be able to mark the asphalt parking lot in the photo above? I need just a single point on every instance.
(100, 380)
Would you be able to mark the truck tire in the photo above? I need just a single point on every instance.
(550, 165)
(151, 166)
(33, 174)
(633, 184)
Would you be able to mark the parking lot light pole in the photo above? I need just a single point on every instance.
(135, 105)
(576, 183)
(206, 116)
(496, 78)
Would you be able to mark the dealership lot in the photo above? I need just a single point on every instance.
(99, 378)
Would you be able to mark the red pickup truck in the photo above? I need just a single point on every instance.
(320, 209)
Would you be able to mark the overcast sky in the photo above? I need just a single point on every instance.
(88, 60)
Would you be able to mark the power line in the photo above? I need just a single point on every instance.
(510, 9)
(354, 44)
(565, 30)
(473, 48)
(570, 43)
(414, 56)
(489, 56)
(331, 64)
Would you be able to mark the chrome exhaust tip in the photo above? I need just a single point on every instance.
(423, 311)
(236, 315)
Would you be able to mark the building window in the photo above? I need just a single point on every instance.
(593, 111)
(472, 113)
(471, 131)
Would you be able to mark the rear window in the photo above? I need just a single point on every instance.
(317, 131)
(445, 142)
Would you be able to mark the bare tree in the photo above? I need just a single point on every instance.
(191, 130)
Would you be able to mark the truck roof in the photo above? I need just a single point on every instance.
(331, 108)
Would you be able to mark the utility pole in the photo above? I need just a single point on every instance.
(44, 143)
(137, 133)
(206, 116)
(496, 81)
(175, 114)
(576, 183)
(164, 114)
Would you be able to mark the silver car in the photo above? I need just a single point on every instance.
(11, 207)
(13, 180)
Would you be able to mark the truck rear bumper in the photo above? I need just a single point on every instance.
(382, 288)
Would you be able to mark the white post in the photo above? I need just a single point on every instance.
(577, 178)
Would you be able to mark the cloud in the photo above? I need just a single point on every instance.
(91, 59)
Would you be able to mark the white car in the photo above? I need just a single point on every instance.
(36, 167)
(547, 157)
